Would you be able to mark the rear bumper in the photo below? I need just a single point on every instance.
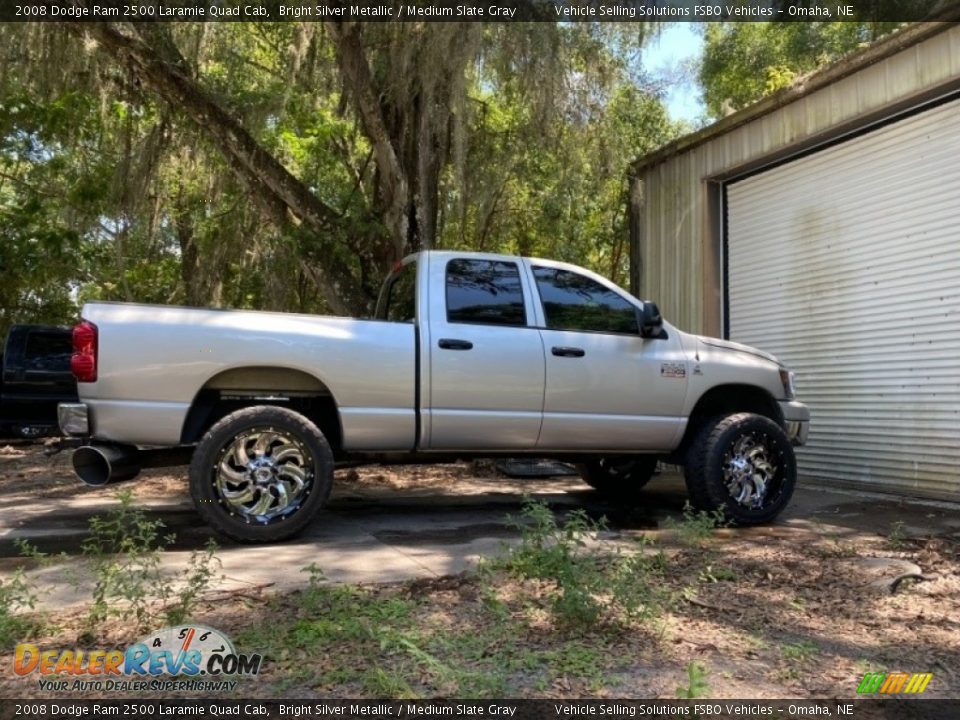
(74, 419)
(796, 417)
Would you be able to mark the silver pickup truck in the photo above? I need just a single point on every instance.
(469, 355)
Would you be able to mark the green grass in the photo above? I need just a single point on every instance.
(551, 609)
(801, 651)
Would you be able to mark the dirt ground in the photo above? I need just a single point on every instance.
(800, 609)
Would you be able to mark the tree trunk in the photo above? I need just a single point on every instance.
(286, 198)
(393, 184)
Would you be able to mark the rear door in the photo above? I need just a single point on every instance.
(486, 358)
(607, 388)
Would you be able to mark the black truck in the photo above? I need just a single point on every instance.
(36, 377)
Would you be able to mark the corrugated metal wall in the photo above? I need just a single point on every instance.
(846, 265)
(675, 226)
(678, 228)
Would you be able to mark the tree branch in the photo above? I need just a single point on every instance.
(357, 76)
(284, 196)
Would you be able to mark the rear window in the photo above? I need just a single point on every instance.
(46, 351)
(484, 291)
(399, 302)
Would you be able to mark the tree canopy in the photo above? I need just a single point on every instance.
(288, 165)
(745, 61)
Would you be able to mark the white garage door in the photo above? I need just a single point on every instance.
(846, 264)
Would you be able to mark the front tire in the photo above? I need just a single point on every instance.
(260, 474)
(619, 476)
(744, 465)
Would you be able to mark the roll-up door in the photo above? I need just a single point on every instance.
(845, 263)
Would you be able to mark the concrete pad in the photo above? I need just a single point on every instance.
(371, 533)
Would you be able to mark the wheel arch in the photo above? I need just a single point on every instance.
(726, 400)
(246, 386)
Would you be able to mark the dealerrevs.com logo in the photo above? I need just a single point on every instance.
(191, 657)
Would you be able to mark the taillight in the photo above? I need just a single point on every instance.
(83, 363)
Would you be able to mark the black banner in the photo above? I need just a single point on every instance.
(477, 10)
(608, 709)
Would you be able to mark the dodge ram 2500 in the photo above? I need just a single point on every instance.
(469, 355)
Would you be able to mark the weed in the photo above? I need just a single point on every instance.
(575, 659)
(125, 548)
(388, 684)
(897, 536)
(715, 574)
(801, 652)
(696, 527)
(42, 559)
(586, 586)
(198, 578)
(463, 681)
(697, 685)
(797, 655)
(17, 596)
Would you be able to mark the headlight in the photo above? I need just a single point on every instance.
(789, 389)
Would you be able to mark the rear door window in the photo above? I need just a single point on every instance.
(488, 292)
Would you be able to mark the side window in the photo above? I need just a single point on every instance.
(484, 291)
(574, 302)
(400, 301)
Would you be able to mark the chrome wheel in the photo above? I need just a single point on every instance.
(263, 475)
(749, 470)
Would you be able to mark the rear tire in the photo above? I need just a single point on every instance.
(619, 476)
(744, 465)
(260, 474)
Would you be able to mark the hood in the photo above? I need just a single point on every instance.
(737, 347)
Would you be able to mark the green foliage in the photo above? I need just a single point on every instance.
(109, 192)
(802, 651)
(712, 573)
(380, 683)
(199, 576)
(745, 61)
(696, 527)
(897, 536)
(697, 685)
(17, 599)
(585, 586)
(125, 548)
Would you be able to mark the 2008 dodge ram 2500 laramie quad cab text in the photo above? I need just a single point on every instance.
(469, 355)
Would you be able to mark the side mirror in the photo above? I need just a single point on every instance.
(650, 321)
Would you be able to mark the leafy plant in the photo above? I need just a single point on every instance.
(585, 585)
(125, 547)
(717, 573)
(801, 651)
(198, 578)
(897, 537)
(17, 597)
(697, 685)
(696, 527)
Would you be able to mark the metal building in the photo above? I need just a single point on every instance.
(823, 224)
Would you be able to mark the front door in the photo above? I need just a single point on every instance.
(605, 389)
